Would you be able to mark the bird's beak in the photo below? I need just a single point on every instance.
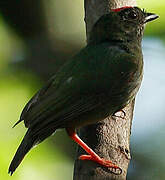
(150, 17)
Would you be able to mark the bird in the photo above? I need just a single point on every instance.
(96, 83)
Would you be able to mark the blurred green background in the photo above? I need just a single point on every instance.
(36, 38)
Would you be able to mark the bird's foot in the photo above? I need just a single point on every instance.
(92, 156)
(119, 114)
(115, 169)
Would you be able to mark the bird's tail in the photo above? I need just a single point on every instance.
(26, 144)
(32, 137)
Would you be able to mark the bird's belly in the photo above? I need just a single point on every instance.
(111, 101)
(91, 117)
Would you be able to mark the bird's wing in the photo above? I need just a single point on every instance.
(66, 103)
(76, 89)
(63, 91)
(34, 100)
(42, 123)
(70, 112)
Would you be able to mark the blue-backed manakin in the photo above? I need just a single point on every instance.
(97, 82)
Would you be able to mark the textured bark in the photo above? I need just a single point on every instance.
(109, 138)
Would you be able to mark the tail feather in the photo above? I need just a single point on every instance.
(25, 146)
(31, 138)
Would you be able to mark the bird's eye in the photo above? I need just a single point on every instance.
(131, 15)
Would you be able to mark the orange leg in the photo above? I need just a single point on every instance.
(92, 155)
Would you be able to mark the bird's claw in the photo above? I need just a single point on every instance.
(113, 168)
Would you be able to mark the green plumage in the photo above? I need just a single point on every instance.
(100, 80)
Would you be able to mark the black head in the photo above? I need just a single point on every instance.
(122, 24)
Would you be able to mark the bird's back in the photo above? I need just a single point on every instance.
(99, 74)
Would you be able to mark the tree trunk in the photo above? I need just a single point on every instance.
(109, 138)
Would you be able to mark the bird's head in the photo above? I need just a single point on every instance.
(122, 24)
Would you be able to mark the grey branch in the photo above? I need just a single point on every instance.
(109, 138)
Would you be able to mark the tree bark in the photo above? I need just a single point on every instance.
(109, 138)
